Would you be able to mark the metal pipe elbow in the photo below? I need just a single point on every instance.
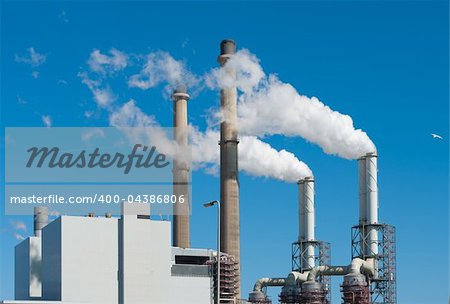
(263, 282)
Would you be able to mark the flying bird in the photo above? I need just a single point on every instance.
(436, 136)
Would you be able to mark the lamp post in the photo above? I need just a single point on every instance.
(207, 205)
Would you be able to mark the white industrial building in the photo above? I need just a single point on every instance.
(110, 260)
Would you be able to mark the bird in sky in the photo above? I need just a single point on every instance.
(436, 136)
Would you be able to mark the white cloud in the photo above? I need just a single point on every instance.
(21, 101)
(33, 58)
(161, 67)
(18, 236)
(62, 82)
(54, 213)
(92, 133)
(63, 16)
(88, 114)
(19, 225)
(47, 120)
(35, 74)
(129, 115)
(104, 64)
(102, 95)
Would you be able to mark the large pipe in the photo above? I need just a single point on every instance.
(357, 266)
(229, 183)
(307, 219)
(264, 282)
(368, 203)
(181, 217)
(40, 219)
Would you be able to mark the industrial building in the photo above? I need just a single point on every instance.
(99, 259)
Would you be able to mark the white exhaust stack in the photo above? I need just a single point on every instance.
(307, 218)
(40, 220)
(368, 202)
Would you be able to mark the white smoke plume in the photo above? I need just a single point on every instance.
(104, 64)
(256, 158)
(248, 71)
(268, 106)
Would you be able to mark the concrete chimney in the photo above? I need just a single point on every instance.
(229, 182)
(40, 219)
(181, 217)
(307, 220)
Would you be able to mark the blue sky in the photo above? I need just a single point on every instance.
(384, 63)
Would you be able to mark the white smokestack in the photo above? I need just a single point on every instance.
(307, 220)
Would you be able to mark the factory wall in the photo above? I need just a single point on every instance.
(80, 254)
(89, 260)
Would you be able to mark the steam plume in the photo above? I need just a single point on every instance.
(272, 107)
(256, 158)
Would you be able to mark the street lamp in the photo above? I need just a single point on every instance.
(207, 205)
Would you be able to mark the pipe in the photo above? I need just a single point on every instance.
(181, 212)
(307, 219)
(40, 219)
(357, 266)
(229, 182)
(294, 278)
(264, 282)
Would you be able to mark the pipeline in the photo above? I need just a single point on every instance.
(357, 266)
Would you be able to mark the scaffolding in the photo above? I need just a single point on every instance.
(322, 256)
(228, 279)
(383, 286)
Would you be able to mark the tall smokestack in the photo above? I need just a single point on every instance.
(368, 206)
(181, 217)
(229, 182)
(307, 219)
(40, 219)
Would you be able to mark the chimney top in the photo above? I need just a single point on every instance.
(227, 47)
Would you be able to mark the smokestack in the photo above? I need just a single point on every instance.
(181, 217)
(229, 182)
(40, 220)
(368, 193)
(307, 220)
